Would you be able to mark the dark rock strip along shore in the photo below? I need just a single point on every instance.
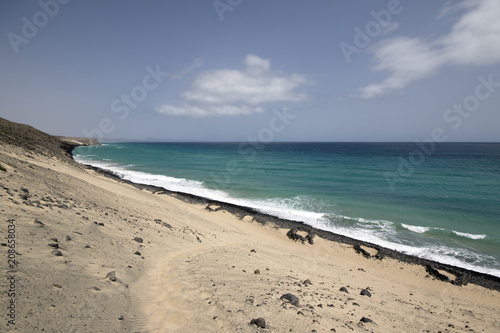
(463, 276)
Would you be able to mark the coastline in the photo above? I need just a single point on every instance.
(462, 275)
(138, 258)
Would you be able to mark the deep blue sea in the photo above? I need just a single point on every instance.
(435, 201)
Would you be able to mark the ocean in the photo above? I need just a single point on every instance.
(435, 201)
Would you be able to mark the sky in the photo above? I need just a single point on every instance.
(258, 70)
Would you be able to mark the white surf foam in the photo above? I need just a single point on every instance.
(415, 228)
(467, 235)
(421, 230)
(291, 209)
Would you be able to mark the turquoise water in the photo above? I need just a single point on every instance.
(440, 201)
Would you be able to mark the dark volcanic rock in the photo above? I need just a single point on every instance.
(290, 298)
(366, 320)
(435, 273)
(259, 322)
(310, 239)
(293, 235)
(365, 292)
(54, 245)
(57, 253)
(138, 239)
(344, 289)
(358, 249)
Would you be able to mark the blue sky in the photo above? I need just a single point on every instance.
(269, 70)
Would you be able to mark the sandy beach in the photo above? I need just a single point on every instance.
(96, 254)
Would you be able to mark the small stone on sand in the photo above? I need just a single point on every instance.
(111, 276)
(290, 298)
(259, 322)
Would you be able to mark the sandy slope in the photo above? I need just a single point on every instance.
(196, 269)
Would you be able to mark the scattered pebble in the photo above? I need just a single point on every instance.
(290, 298)
(138, 239)
(111, 276)
(259, 322)
(365, 292)
(344, 289)
(57, 253)
(367, 320)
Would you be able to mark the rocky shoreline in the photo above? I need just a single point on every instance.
(461, 276)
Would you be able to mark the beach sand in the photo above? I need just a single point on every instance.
(184, 266)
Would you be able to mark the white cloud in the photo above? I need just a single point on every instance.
(229, 92)
(256, 65)
(256, 85)
(408, 59)
(473, 40)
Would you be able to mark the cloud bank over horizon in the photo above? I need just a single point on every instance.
(230, 92)
(474, 40)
